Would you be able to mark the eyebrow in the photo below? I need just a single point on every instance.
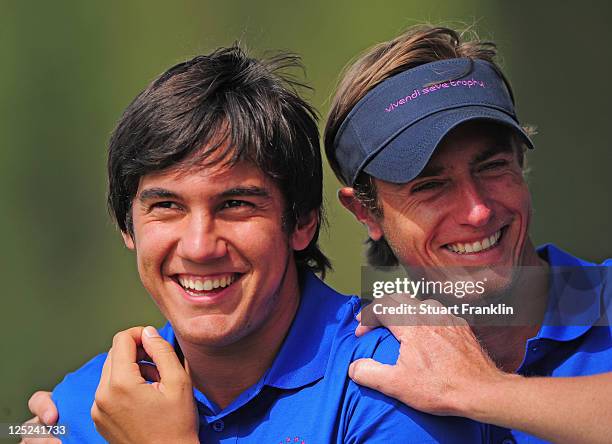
(500, 147)
(246, 191)
(430, 171)
(162, 193)
(156, 193)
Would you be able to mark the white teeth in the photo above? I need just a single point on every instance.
(477, 246)
(206, 284)
(486, 244)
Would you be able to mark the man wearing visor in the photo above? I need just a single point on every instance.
(424, 135)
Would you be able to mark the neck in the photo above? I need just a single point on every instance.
(222, 373)
(529, 295)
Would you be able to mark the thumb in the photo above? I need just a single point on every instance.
(163, 355)
(41, 405)
(372, 374)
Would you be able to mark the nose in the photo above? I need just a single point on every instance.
(475, 208)
(199, 240)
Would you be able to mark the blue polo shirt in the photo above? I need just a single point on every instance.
(580, 295)
(305, 397)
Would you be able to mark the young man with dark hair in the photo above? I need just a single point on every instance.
(215, 181)
(424, 135)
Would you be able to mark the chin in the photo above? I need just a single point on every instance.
(208, 332)
(211, 339)
(496, 289)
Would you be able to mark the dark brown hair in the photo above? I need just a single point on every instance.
(212, 99)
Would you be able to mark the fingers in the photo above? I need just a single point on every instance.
(41, 405)
(36, 420)
(105, 377)
(123, 365)
(369, 318)
(37, 440)
(362, 330)
(103, 387)
(372, 374)
(163, 355)
(368, 321)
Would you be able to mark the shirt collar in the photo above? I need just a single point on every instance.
(303, 356)
(305, 352)
(574, 301)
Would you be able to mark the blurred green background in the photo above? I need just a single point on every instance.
(70, 67)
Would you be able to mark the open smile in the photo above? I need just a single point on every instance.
(484, 244)
(203, 286)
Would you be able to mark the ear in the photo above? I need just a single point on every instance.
(361, 212)
(304, 230)
(128, 240)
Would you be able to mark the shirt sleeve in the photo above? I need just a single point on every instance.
(74, 397)
(377, 418)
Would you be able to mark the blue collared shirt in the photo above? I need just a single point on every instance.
(580, 297)
(305, 397)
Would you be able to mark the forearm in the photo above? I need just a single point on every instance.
(569, 410)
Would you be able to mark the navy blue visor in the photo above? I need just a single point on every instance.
(392, 132)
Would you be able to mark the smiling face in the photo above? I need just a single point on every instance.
(212, 252)
(470, 207)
